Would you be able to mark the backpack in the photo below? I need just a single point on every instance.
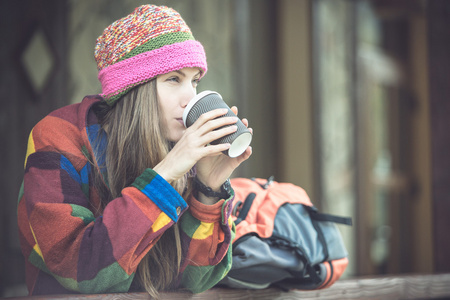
(282, 240)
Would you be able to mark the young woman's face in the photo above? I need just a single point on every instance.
(175, 89)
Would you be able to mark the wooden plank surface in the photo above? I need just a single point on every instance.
(403, 287)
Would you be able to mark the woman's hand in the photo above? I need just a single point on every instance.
(194, 146)
(214, 169)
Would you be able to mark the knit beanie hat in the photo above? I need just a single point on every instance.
(151, 41)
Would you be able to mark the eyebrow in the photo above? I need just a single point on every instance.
(184, 75)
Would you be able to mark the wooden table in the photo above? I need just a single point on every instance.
(390, 287)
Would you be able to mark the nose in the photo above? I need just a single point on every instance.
(188, 93)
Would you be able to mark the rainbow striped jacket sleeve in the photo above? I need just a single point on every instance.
(70, 247)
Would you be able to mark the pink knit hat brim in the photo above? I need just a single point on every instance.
(119, 78)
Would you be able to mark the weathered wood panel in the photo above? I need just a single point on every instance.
(405, 287)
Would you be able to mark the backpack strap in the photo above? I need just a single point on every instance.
(244, 208)
(316, 215)
(268, 182)
(314, 278)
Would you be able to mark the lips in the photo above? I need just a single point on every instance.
(180, 120)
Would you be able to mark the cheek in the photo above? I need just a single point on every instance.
(166, 113)
(166, 102)
(164, 107)
(167, 118)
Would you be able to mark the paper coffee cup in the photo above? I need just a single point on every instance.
(207, 101)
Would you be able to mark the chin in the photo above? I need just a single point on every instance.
(175, 137)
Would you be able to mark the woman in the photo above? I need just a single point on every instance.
(118, 195)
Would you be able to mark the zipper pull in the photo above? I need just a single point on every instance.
(269, 182)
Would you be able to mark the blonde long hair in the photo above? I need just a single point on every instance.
(136, 141)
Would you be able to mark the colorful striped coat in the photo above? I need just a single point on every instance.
(70, 247)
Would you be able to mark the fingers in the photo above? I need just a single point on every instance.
(214, 150)
(220, 122)
(208, 116)
(234, 109)
(244, 156)
(245, 122)
(211, 126)
(216, 113)
(214, 135)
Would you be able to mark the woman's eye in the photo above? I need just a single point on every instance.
(196, 81)
(173, 79)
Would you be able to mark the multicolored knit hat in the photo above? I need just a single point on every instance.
(151, 41)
